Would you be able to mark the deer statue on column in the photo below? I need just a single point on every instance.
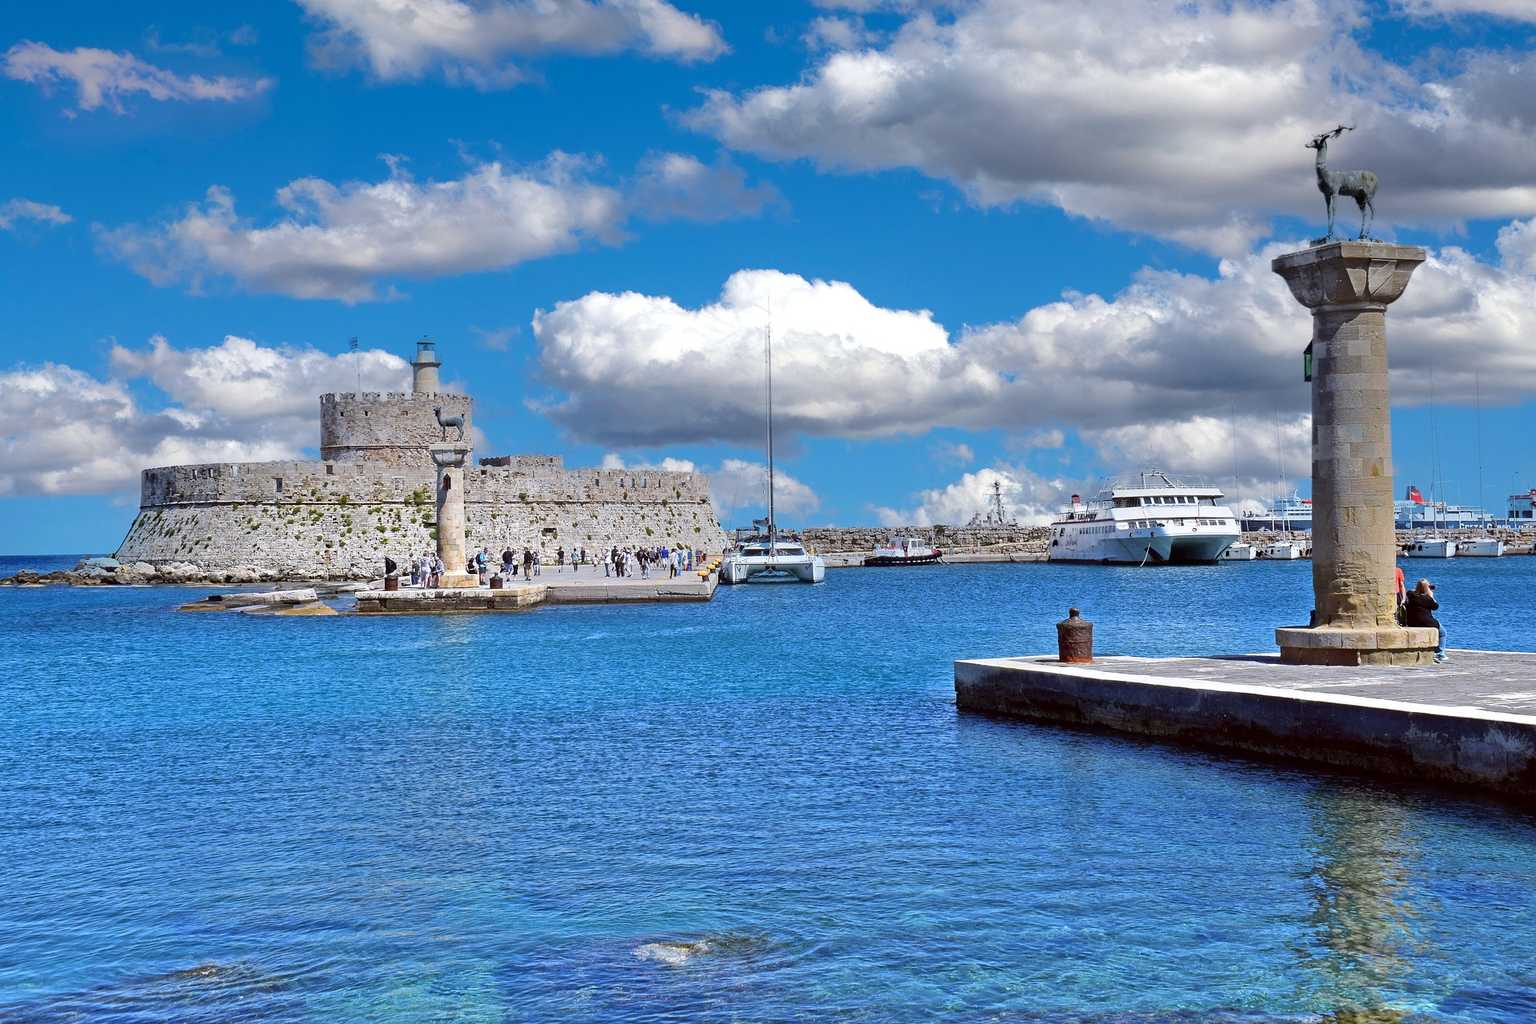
(1358, 185)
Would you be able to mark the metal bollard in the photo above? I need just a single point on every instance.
(1074, 639)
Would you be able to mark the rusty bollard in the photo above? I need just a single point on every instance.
(1074, 639)
(391, 582)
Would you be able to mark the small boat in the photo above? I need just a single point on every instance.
(1285, 550)
(1241, 551)
(1431, 547)
(783, 559)
(1480, 547)
(904, 551)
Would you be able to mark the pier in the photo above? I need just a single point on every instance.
(1470, 722)
(553, 587)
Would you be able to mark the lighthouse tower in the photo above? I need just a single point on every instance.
(424, 368)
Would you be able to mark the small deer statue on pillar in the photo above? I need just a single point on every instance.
(1358, 185)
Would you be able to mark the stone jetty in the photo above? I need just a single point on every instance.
(589, 586)
(1470, 722)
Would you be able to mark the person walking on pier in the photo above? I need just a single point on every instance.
(527, 564)
(1420, 611)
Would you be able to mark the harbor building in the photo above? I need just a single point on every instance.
(371, 494)
(1522, 509)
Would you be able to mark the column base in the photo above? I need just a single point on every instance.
(455, 580)
(1382, 645)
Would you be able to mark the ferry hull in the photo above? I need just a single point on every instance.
(1203, 549)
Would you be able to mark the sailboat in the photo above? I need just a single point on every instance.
(765, 554)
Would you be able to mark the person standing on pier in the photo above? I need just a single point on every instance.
(1420, 611)
(1402, 594)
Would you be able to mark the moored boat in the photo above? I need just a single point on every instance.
(1285, 550)
(1480, 547)
(1241, 551)
(772, 558)
(1431, 547)
(1151, 520)
(904, 551)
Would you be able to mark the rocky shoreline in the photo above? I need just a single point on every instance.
(96, 572)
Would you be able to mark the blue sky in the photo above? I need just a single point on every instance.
(1004, 241)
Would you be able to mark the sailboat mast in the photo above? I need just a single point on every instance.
(768, 358)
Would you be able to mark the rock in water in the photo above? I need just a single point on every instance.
(673, 954)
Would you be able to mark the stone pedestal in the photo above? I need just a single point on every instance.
(450, 459)
(1348, 286)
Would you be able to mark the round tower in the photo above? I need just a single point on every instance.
(424, 368)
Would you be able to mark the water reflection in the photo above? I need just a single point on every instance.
(1364, 926)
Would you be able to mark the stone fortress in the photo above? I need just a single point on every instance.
(372, 494)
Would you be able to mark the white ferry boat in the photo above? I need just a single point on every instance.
(1151, 520)
(1480, 547)
(1431, 547)
(1242, 551)
(1285, 550)
(903, 551)
(1284, 515)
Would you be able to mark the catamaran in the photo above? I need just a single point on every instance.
(766, 554)
(1151, 520)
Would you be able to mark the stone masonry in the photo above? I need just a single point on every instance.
(374, 495)
(1348, 286)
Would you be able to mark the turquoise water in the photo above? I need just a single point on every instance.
(506, 818)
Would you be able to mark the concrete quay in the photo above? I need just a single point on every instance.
(553, 587)
(1470, 722)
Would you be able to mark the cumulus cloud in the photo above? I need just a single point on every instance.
(1028, 498)
(471, 43)
(843, 366)
(350, 241)
(676, 186)
(737, 485)
(1185, 121)
(1515, 10)
(13, 210)
(954, 453)
(1170, 349)
(613, 460)
(63, 431)
(338, 241)
(104, 78)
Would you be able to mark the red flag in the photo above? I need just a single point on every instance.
(1415, 495)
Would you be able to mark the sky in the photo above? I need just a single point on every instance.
(1022, 242)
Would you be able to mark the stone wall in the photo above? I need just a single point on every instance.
(386, 426)
(338, 519)
(829, 539)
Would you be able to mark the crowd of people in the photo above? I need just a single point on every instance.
(616, 561)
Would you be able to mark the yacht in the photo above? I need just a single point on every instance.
(1241, 551)
(1480, 547)
(1285, 550)
(1150, 520)
(771, 557)
(904, 551)
(766, 555)
(1431, 547)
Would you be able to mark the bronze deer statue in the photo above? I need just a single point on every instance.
(448, 421)
(1358, 185)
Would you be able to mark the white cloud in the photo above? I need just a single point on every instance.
(13, 210)
(676, 186)
(613, 460)
(1028, 497)
(737, 485)
(1048, 438)
(471, 43)
(1185, 121)
(63, 431)
(1515, 10)
(843, 366)
(104, 78)
(339, 241)
(828, 33)
(953, 452)
(350, 241)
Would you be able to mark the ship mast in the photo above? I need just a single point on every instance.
(768, 359)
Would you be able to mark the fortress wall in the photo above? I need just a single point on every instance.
(386, 426)
(339, 519)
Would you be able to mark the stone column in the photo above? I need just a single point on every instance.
(1348, 286)
(449, 459)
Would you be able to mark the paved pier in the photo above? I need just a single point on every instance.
(588, 586)
(1469, 722)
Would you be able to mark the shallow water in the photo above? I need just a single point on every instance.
(762, 809)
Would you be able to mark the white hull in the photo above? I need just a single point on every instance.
(1144, 547)
(1284, 550)
(782, 569)
(1242, 551)
(1430, 549)
(1487, 547)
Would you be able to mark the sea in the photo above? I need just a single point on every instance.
(761, 809)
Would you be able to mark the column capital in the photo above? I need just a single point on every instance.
(1368, 275)
(450, 455)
